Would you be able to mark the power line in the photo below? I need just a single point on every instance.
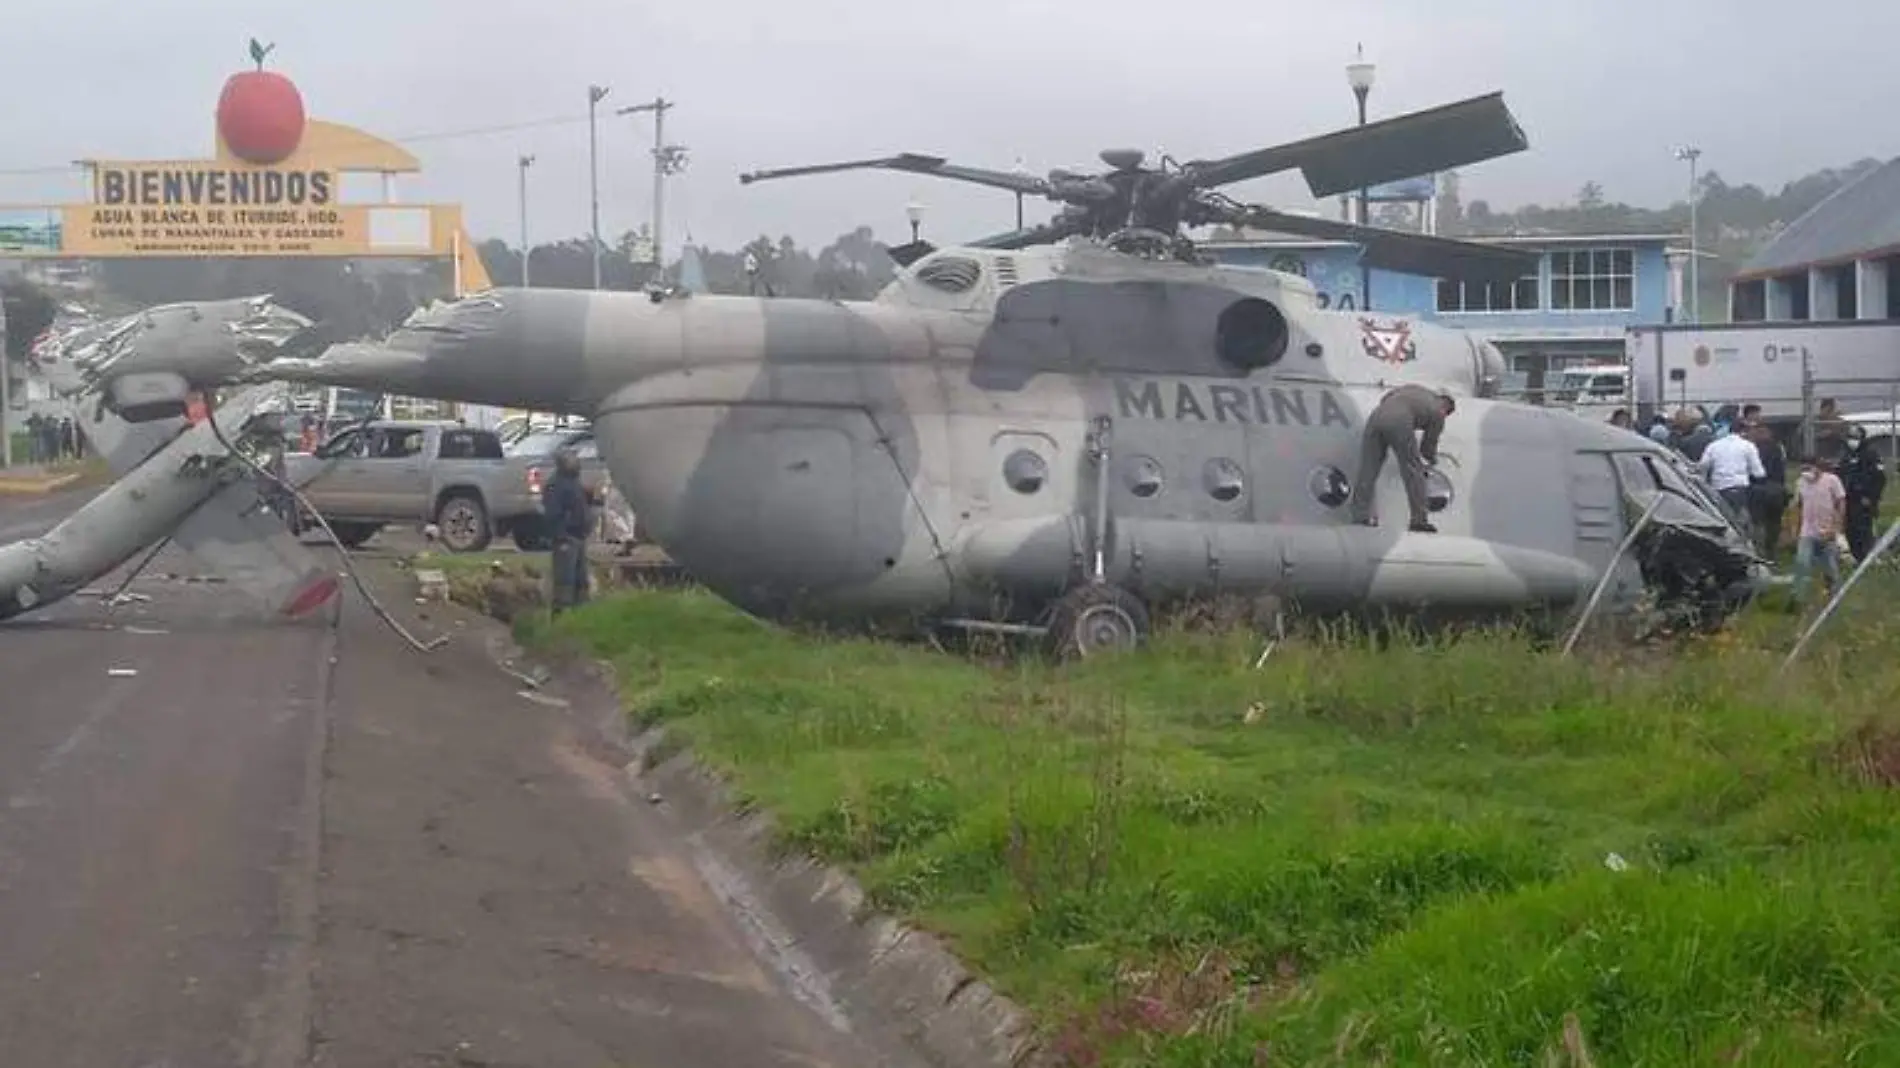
(442, 135)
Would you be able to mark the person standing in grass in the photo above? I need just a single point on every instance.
(1768, 495)
(1823, 502)
(1864, 476)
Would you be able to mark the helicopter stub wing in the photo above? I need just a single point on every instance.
(1421, 142)
(914, 163)
(1396, 250)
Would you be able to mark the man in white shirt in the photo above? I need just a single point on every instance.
(1731, 464)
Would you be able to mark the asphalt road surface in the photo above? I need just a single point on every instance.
(228, 842)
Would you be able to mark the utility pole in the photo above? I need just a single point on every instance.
(526, 162)
(6, 394)
(1692, 154)
(667, 159)
(595, 94)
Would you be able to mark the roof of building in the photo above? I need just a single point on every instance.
(1854, 221)
(1270, 239)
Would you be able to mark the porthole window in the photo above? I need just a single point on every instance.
(1437, 490)
(1225, 481)
(1329, 486)
(1025, 471)
(1143, 476)
(1250, 334)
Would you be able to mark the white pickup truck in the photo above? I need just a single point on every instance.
(373, 474)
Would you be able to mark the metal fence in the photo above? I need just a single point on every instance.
(1799, 432)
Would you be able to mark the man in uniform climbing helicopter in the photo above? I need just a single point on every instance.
(1402, 413)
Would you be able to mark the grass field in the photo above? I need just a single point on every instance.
(1436, 853)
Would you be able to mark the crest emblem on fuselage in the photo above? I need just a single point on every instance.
(1391, 342)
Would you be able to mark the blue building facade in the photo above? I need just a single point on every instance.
(1574, 309)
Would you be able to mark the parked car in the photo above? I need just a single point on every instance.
(538, 448)
(372, 474)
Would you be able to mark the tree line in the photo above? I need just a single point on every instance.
(853, 266)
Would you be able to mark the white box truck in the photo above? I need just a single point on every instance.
(1774, 365)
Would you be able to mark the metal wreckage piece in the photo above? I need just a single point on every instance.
(187, 483)
(156, 500)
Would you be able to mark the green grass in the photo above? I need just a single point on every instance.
(1428, 854)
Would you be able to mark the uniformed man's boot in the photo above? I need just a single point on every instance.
(1421, 526)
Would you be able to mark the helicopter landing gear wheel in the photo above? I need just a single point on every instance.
(1097, 619)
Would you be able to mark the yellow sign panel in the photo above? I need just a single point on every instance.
(97, 230)
(226, 207)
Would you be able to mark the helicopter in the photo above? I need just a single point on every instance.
(1058, 429)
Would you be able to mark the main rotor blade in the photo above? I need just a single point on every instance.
(1422, 142)
(915, 163)
(1396, 250)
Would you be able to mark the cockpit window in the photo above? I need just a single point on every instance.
(1645, 475)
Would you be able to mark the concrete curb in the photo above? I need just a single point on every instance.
(35, 486)
(888, 976)
(896, 984)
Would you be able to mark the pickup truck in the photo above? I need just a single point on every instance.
(417, 471)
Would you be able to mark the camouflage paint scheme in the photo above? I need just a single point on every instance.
(847, 461)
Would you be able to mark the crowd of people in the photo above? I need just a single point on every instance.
(1836, 496)
(51, 440)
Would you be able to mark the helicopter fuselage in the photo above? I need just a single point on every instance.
(1166, 430)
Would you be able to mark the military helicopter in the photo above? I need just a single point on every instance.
(1056, 438)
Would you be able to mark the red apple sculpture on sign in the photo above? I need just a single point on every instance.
(260, 113)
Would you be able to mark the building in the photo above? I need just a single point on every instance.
(1574, 309)
(1840, 261)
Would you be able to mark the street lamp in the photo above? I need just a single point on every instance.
(1359, 75)
(1691, 154)
(1021, 170)
(667, 159)
(914, 211)
(595, 94)
(524, 163)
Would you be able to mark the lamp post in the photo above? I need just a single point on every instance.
(595, 94)
(667, 159)
(1691, 154)
(524, 163)
(914, 211)
(1359, 74)
(1021, 170)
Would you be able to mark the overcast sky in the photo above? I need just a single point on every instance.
(1604, 89)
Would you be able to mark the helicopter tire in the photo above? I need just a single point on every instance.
(1097, 619)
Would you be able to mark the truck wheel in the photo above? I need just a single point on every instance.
(531, 535)
(353, 535)
(463, 523)
(1097, 618)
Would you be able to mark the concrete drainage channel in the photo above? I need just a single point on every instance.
(865, 974)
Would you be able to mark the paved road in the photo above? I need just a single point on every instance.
(283, 845)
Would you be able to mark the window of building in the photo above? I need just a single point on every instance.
(1520, 295)
(1593, 279)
